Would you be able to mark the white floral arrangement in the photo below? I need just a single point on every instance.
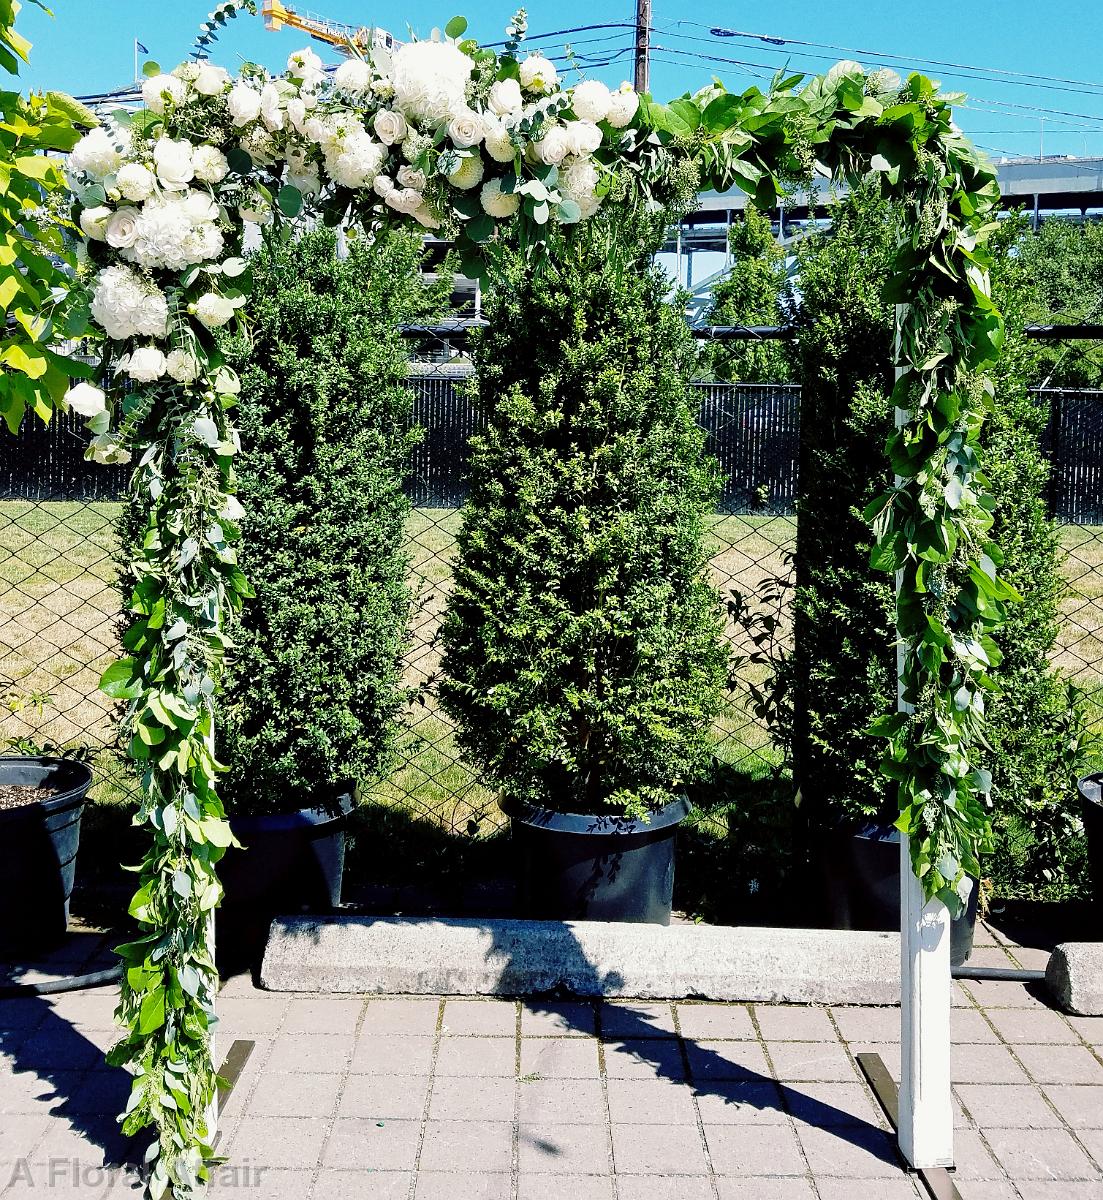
(441, 133)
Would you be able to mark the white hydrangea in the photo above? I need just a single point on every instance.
(183, 366)
(430, 80)
(500, 205)
(210, 164)
(505, 97)
(622, 106)
(172, 161)
(176, 230)
(468, 174)
(583, 137)
(125, 305)
(135, 182)
(390, 126)
(538, 74)
(244, 104)
(144, 364)
(353, 77)
(212, 310)
(161, 91)
(578, 181)
(96, 154)
(356, 158)
(591, 100)
(93, 221)
(87, 399)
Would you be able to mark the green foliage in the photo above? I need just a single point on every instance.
(313, 682)
(756, 291)
(35, 262)
(583, 656)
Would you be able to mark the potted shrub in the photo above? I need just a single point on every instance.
(583, 658)
(1091, 807)
(313, 682)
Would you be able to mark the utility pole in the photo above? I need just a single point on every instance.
(643, 45)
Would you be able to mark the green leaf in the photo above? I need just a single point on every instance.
(152, 1013)
(116, 681)
(456, 28)
(239, 161)
(151, 69)
(290, 200)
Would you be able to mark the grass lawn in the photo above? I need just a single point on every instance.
(59, 609)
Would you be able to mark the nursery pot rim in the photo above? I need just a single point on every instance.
(57, 801)
(321, 817)
(1090, 788)
(595, 824)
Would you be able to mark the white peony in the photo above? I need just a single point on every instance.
(271, 112)
(622, 106)
(468, 174)
(466, 129)
(305, 65)
(244, 104)
(135, 182)
(212, 310)
(296, 113)
(411, 177)
(93, 221)
(505, 97)
(124, 305)
(211, 80)
(430, 80)
(499, 145)
(183, 366)
(122, 228)
(537, 74)
(500, 205)
(390, 126)
(353, 77)
(172, 160)
(553, 147)
(145, 364)
(210, 164)
(87, 399)
(163, 90)
(583, 137)
(96, 154)
(591, 100)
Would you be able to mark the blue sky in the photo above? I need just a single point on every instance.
(88, 47)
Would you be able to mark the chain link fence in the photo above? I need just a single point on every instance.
(60, 608)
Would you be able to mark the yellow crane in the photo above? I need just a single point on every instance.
(350, 40)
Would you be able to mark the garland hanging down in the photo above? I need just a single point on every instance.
(484, 148)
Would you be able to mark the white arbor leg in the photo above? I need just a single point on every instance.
(926, 1130)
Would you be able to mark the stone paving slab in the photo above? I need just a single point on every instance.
(490, 1099)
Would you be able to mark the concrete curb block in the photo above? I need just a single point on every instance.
(464, 957)
(1075, 977)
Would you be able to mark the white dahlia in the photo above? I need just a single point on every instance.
(500, 205)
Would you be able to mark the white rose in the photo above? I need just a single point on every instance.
(390, 126)
(135, 182)
(468, 174)
(183, 366)
(270, 111)
(162, 90)
(404, 200)
(87, 399)
(497, 203)
(172, 160)
(622, 106)
(296, 113)
(537, 74)
(145, 364)
(96, 154)
(210, 164)
(583, 137)
(499, 145)
(505, 97)
(94, 222)
(122, 228)
(382, 185)
(590, 100)
(211, 80)
(466, 129)
(212, 310)
(425, 216)
(411, 177)
(353, 76)
(244, 104)
(553, 147)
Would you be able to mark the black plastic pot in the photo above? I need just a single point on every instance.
(290, 862)
(578, 867)
(1091, 809)
(862, 870)
(38, 850)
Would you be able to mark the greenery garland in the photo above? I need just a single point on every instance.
(931, 528)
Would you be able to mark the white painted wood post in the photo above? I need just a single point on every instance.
(926, 1113)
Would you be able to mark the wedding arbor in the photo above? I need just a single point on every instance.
(492, 149)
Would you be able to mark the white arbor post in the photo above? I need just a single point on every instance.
(926, 1114)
